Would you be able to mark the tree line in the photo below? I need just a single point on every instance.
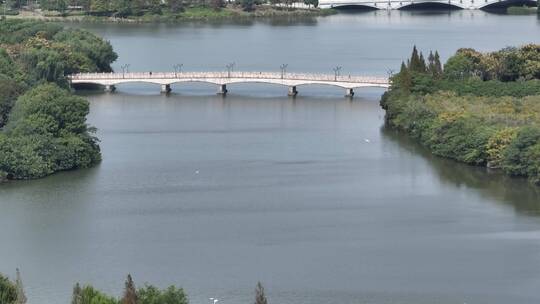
(481, 108)
(12, 292)
(125, 8)
(43, 126)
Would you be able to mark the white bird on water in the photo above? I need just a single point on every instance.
(366, 140)
(214, 300)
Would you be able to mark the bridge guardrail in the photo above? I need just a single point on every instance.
(226, 75)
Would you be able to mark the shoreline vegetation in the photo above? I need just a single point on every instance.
(43, 126)
(480, 109)
(523, 10)
(12, 292)
(140, 11)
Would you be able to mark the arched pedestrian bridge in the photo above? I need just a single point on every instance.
(222, 79)
(399, 4)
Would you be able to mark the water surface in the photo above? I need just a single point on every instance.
(312, 196)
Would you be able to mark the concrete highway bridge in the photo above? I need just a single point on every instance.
(222, 79)
(399, 4)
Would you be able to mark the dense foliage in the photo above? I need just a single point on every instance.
(149, 294)
(8, 292)
(126, 8)
(482, 109)
(13, 293)
(43, 129)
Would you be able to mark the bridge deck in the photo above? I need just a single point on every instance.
(225, 77)
(292, 80)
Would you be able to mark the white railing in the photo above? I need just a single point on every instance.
(230, 75)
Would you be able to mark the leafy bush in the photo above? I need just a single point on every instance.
(152, 295)
(47, 132)
(493, 123)
(44, 130)
(8, 292)
(519, 157)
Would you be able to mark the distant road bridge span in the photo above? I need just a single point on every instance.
(222, 79)
(399, 4)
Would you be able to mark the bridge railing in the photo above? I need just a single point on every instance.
(226, 75)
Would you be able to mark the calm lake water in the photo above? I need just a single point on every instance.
(311, 196)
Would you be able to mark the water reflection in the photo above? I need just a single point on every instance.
(513, 191)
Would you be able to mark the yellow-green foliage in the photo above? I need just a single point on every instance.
(497, 144)
(473, 129)
(484, 110)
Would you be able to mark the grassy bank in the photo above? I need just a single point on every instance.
(481, 109)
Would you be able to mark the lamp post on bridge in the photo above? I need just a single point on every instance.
(177, 69)
(337, 72)
(283, 68)
(390, 73)
(125, 69)
(230, 68)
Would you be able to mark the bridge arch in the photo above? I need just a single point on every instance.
(361, 5)
(498, 4)
(410, 4)
(445, 4)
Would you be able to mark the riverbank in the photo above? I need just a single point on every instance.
(198, 13)
(43, 126)
(522, 10)
(481, 109)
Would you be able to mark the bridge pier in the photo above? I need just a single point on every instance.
(349, 93)
(292, 91)
(222, 89)
(165, 88)
(110, 88)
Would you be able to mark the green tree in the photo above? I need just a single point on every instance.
(512, 66)
(21, 297)
(458, 66)
(310, 3)
(8, 291)
(434, 65)
(90, 295)
(122, 8)
(438, 65)
(247, 5)
(517, 156)
(404, 78)
(260, 297)
(10, 90)
(99, 6)
(175, 6)
(99, 53)
(44, 130)
(155, 6)
(417, 62)
(76, 297)
(217, 4)
(152, 295)
(47, 132)
(130, 293)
